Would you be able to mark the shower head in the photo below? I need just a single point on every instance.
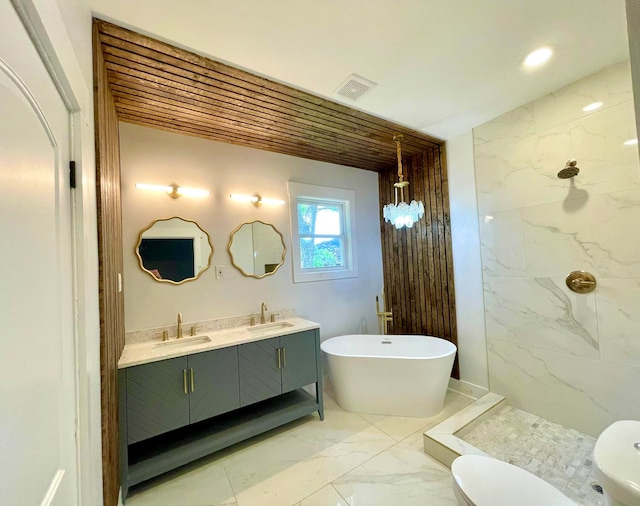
(570, 170)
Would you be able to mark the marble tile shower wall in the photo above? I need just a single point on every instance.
(574, 359)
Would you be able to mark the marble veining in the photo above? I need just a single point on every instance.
(596, 237)
(568, 320)
(348, 459)
(619, 320)
(571, 358)
(562, 381)
(502, 244)
(227, 322)
(584, 393)
(611, 86)
(143, 353)
(504, 129)
(523, 173)
(541, 312)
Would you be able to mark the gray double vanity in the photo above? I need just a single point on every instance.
(183, 399)
(188, 396)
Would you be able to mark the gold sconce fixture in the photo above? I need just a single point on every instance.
(173, 190)
(257, 200)
(402, 214)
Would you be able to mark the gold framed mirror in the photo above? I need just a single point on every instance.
(256, 249)
(174, 250)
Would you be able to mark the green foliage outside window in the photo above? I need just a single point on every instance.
(320, 231)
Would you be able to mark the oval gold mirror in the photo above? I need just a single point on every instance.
(257, 249)
(174, 250)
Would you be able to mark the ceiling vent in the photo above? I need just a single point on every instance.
(355, 86)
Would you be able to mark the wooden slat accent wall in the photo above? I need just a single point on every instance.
(418, 262)
(110, 258)
(158, 85)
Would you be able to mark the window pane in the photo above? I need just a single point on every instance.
(319, 219)
(306, 218)
(329, 220)
(316, 253)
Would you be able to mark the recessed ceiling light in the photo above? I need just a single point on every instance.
(592, 107)
(630, 142)
(538, 57)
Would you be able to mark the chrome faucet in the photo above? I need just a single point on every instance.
(179, 326)
(263, 308)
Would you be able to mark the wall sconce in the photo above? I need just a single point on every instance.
(173, 190)
(256, 200)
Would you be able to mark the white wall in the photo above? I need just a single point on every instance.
(467, 268)
(572, 358)
(153, 156)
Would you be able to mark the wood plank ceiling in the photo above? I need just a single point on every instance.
(158, 85)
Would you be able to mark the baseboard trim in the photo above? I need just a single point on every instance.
(468, 389)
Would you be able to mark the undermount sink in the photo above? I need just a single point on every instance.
(183, 342)
(269, 326)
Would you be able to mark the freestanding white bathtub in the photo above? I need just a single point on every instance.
(390, 375)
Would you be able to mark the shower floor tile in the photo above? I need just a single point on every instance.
(561, 456)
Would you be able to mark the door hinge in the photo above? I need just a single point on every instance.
(72, 173)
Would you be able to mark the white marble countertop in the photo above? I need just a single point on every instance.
(153, 351)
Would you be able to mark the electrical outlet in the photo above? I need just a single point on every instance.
(219, 271)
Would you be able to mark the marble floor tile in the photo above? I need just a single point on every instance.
(347, 459)
(288, 467)
(326, 496)
(399, 427)
(203, 485)
(402, 475)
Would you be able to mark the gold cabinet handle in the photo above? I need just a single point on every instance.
(284, 357)
(279, 360)
(184, 380)
(193, 384)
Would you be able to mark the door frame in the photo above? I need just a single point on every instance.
(48, 29)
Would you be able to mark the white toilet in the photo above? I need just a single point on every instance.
(617, 459)
(485, 481)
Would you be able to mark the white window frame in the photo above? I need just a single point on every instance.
(329, 196)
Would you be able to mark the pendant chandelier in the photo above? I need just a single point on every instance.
(402, 214)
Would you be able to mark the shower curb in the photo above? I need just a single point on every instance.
(444, 441)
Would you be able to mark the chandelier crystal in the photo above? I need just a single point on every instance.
(402, 214)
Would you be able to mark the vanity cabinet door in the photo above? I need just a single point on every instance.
(259, 373)
(214, 387)
(299, 360)
(156, 398)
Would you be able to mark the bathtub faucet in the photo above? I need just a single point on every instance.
(384, 317)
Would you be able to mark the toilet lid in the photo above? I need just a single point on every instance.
(486, 481)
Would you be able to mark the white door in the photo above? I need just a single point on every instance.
(38, 463)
